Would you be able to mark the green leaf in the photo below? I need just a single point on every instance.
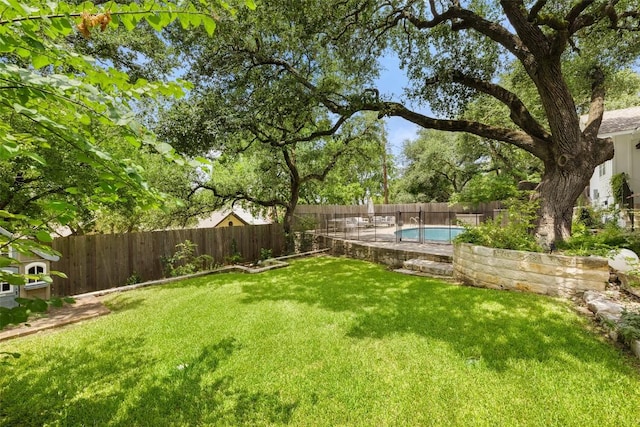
(163, 148)
(38, 158)
(209, 25)
(44, 236)
(155, 21)
(59, 206)
(6, 262)
(14, 279)
(37, 305)
(40, 61)
(59, 274)
(250, 4)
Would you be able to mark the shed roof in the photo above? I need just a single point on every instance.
(219, 216)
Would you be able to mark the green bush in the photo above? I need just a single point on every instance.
(236, 256)
(585, 241)
(265, 254)
(629, 326)
(513, 231)
(184, 261)
(133, 279)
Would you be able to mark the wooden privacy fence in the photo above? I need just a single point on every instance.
(103, 261)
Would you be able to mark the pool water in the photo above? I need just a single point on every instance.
(439, 234)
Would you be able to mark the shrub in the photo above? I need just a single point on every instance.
(585, 242)
(515, 231)
(265, 254)
(184, 261)
(133, 279)
(236, 256)
(629, 326)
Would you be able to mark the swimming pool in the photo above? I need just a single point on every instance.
(438, 234)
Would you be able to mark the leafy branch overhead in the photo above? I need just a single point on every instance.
(58, 105)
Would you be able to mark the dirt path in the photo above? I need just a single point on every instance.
(83, 309)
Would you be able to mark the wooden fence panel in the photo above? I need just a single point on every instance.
(97, 262)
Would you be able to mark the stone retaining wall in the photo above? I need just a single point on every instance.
(548, 274)
(393, 257)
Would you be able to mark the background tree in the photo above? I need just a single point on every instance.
(436, 166)
(266, 163)
(270, 138)
(356, 177)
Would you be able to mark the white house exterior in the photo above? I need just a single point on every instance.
(623, 126)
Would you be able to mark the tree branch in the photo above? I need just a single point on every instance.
(519, 113)
(529, 34)
(535, 10)
(237, 196)
(535, 146)
(596, 107)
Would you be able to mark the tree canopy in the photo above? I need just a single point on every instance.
(271, 140)
(455, 52)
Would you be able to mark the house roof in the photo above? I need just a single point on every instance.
(41, 254)
(617, 121)
(219, 216)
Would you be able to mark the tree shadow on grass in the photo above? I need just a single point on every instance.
(123, 302)
(104, 385)
(78, 386)
(188, 395)
(495, 326)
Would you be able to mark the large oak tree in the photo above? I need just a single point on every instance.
(454, 51)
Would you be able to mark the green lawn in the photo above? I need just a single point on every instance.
(325, 341)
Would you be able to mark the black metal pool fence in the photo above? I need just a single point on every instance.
(401, 226)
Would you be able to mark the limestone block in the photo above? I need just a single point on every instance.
(603, 306)
(608, 317)
(589, 296)
(481, 251)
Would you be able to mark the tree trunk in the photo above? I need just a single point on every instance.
(558, 193)
(287, 226)
(564, 180)
(287, 220)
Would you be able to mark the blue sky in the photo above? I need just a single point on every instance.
(391, 83)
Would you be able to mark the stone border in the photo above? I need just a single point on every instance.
(548, 274)
(266, 265)
(609, 313)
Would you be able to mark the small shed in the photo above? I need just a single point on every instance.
(230, 218)
(35, 262)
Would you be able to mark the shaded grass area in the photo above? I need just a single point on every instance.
(324, 342)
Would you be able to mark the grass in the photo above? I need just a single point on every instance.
(323, 342)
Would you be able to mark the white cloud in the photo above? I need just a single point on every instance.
(399, 130)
